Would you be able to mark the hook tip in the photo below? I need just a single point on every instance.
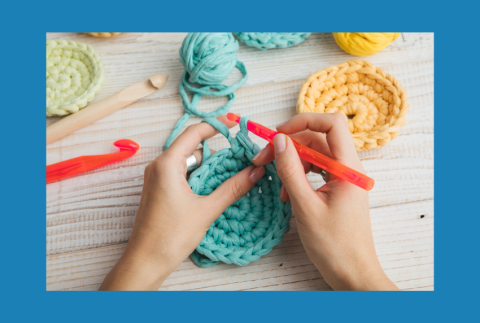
(127, 144)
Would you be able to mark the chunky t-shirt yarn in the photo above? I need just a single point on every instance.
(208, 59)
(252, 226)
(104, 34)
(374, 103)
(75, 74)
(272, 40)
(364, 44)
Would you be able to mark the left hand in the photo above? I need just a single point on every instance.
(171, 220)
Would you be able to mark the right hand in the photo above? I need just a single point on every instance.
(334, 221)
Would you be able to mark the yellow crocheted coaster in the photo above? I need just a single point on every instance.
(104, 34)
(373, 102)
(75, 75)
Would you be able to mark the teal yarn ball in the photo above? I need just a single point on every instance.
(272, 40)
(208, 59)
(252, 226)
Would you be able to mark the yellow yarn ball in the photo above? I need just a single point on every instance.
(104, 34)
(364, 44)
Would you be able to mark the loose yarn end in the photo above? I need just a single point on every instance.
(208, 59)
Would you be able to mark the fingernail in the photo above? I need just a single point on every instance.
(258, 154)
(281, 124)
(282, 192)
(279, 143)
(256, 174)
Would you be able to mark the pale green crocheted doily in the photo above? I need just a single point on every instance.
(75, 75)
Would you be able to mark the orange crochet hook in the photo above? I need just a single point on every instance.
(332, 166)
(82, 164)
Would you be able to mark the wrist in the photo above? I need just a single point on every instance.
(137, 270)
(361, 279)
(377, 281)
(132, 274)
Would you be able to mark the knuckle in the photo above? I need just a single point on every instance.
(147, 170)
(286, 171)
(192, 129)
(168, 157)
(338, 118)
(173, 159)
(157, 166)
(236, 190)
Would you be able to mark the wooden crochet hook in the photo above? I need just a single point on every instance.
(104, 107)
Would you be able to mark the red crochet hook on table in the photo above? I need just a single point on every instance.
(82, 164)
(332, 166)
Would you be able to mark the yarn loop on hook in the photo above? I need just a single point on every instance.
(253, 225)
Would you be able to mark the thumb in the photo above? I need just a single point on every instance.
(235, 188)
(290, 169)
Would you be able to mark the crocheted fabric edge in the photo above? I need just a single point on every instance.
(93, 89)
(202, 260)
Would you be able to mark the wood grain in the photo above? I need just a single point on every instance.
(403, 241)
(134, 57)
(90, 217)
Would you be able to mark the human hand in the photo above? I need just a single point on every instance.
(334, 221)
(171, 220)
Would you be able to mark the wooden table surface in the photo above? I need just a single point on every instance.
(90, 217)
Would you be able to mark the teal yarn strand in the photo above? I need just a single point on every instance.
(208, 59)
(252, 226)
(272, 40)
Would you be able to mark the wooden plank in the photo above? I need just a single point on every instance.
(271, 104)
(98, 207)
(403, 240)
(134, 57)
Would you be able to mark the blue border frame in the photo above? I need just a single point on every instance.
(457, 221)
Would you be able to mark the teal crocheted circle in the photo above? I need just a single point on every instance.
(272, 40)
(208, 59)
(252, 226)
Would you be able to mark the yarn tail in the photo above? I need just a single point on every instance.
(176, 130)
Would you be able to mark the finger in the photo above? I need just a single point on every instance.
(291, 171)
(264, 156)
(234, 188)
(185, 144)
(198, 153)
(339, 139)
(284, 194)
(314, 140)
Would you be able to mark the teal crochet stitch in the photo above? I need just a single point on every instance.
(252, 226)
(272, 40)
(208, 59)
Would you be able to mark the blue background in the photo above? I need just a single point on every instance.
(23, 261)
